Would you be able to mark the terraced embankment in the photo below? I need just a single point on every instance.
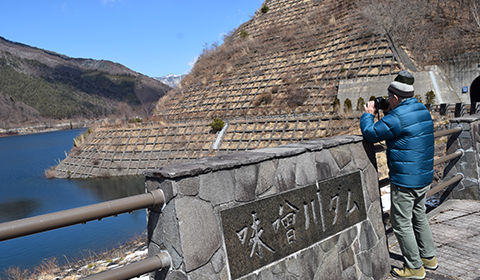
(274, 81)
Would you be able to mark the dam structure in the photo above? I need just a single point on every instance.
(282, 77)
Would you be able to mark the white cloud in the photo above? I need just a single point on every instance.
(193, 62)
(221, 36)
(111, 2)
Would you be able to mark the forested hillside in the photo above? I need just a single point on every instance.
(38, 86)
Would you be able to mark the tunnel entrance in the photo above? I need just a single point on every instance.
(474, 94)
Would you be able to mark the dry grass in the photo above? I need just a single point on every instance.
(16, 273)
(382, 166)
(90, 263)
(50, 173)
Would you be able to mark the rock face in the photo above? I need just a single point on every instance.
(242, 216)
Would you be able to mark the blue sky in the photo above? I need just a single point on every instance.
(153, 37)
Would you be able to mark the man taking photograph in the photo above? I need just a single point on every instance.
(407, 128)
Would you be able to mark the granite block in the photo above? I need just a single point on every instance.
(199, 231)
(266, 176)
(305, 169)
(285, 174)
(217, 187)
(326, 165)
(246, 182)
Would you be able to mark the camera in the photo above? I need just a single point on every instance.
(381, 103)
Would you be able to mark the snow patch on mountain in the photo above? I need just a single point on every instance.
(171, 80)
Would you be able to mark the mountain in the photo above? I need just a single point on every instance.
(38, 85)
(171, 80)
(278, 78)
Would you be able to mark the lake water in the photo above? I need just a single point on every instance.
(25, 192)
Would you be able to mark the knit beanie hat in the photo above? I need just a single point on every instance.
(403, 85)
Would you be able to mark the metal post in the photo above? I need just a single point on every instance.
(459, 110)
(444, 109)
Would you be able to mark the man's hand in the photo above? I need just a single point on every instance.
(370, 107)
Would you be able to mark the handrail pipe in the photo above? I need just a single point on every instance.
(448, 131)
(27, 226)
(449, 157)
(381, 147)
(159, 261)
(445, 184)
(385, 181)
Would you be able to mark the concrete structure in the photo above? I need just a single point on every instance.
(461, 71)
(310, 210)
(434, 79)
(452, 82)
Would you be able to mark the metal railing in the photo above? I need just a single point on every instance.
(37, 224)
(447, 132)
(445, 184)
(159, 261)
(437, 161)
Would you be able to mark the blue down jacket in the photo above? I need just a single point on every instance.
(408, 131)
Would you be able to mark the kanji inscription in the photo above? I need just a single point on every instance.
(263, 231)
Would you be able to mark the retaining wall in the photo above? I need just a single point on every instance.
(434, 79)
(131, 151)
(309, 210)
(462, 70)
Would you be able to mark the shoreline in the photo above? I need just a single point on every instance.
(43, 128)
(129, 252)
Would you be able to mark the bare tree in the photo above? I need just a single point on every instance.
(474, 9)
(397, 18)
(429, 29)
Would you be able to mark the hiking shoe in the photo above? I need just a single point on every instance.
(431, 264)
(409, 273)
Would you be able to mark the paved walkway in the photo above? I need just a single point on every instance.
(456, 231)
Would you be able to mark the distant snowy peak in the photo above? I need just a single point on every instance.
(171, 80)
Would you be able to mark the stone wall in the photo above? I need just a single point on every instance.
(469, 142)
(309, 210)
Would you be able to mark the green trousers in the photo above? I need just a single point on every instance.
(410, 224)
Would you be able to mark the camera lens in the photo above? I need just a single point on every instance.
(381, 103)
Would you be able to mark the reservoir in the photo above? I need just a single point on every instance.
(25, 192)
